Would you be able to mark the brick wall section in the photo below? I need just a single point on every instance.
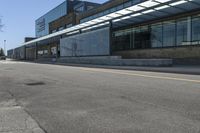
(68, 19)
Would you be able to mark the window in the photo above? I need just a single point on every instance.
(40, 52)
(61, 28)
(113, 9)
(181, 32)
(106, 12)
(122, 40)
(145, 37)
(169, 34)
(137, 39)
(80, 9)
(69, 25)
(172, 33)
(142, 37)
(127, 4)
(119, 7)
(196, 29)
(89, 7)
(46, 52)
(133, 38)
(156, 35)
(53, 31)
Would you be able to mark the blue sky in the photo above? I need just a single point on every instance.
(19, 17)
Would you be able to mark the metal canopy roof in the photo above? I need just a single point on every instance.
(162, 10)
(144, 11)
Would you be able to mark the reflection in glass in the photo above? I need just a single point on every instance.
(196, 29)
(181, 33)
(145, 37)
(137, 37)
(122, 40)
(156, 36)
(169, 34)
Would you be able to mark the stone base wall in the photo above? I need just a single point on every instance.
(181, 55)
(174, 53)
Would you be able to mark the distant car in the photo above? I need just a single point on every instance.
(3, 58)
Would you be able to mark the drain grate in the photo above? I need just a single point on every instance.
(35, 83)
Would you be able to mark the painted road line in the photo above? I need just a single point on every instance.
(140, 75)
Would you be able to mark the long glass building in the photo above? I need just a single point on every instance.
(130, 29)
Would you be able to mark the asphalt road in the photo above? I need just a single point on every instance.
(64, 99)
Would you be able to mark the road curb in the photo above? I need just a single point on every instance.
(176, 70)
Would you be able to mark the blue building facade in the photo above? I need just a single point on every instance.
(42, 24)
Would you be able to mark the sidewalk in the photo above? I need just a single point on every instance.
(194, 70)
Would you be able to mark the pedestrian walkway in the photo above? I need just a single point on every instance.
(195, 70)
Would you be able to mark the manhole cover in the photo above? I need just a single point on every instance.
(35, 83)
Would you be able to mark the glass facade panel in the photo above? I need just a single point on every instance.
(196, 29)
(181, 31)
(178, 32)
(169, 33)
(137, 39)
(145, 36)
(122, 40)
(156, 36)
(140, 37)
(133, 37)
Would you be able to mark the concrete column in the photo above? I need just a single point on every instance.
(189, 31)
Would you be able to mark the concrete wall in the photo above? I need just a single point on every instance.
(176, 53)
(116, 61)
(86, 44)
